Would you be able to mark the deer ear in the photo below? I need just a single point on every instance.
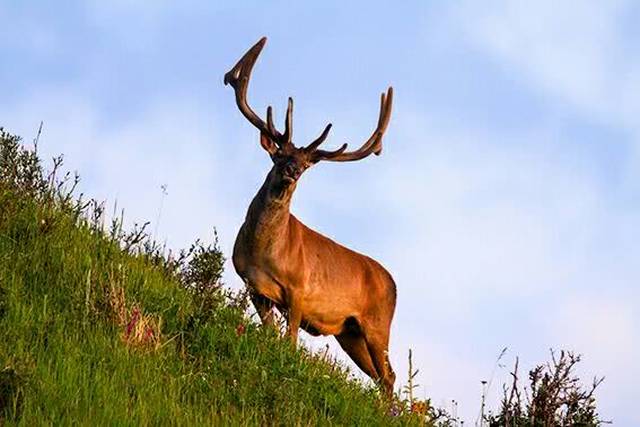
(267, 143)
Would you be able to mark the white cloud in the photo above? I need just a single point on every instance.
(576, 52)
(571, 49)
(581, 320)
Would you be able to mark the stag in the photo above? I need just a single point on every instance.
(318, 284)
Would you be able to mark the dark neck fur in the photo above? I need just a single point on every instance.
(268, 215)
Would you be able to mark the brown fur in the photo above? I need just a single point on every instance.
(326, 288)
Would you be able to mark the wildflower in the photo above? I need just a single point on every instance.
(419, 407)
(132, 323)
(240, 329)
(149, 333)
(395, 410)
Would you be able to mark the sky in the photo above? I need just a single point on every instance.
(506, 202)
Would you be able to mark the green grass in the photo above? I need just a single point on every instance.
(66, 357)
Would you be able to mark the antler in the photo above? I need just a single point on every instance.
(373, 144)
(238, 77)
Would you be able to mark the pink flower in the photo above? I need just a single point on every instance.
(132, 323)
(149, 333)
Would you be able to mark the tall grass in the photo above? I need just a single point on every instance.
(98, 326)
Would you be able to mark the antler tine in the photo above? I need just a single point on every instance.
(270, 124)
(372, 145)
(319, 140)
(238, 77)
(288, 123)
(383, 120)
(330, 155)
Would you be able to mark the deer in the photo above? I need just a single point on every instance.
(315, 283)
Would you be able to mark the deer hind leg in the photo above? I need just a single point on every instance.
(356, 347)
(378, 346)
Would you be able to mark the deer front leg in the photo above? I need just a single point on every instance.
(264, 307)
(264, 294)
(294, 316)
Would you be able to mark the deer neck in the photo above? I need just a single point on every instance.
(267, 221)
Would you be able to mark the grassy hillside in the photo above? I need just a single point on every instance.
(98, 326)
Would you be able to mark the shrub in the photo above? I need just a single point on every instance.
(555, 397)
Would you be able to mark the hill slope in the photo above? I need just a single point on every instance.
(98, 327)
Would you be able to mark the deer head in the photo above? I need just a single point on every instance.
(289, 161)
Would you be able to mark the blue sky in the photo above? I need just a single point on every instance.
(506, 202)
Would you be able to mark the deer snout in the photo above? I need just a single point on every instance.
(292, 171)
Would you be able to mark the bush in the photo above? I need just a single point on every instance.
(555, 397)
